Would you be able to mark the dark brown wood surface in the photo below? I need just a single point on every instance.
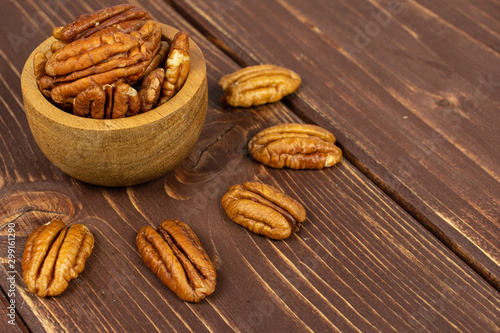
(10, 319)
(359, 263)
(411, 88)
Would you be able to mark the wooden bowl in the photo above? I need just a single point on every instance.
(119, 152)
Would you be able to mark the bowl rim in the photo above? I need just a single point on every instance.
(196, 77)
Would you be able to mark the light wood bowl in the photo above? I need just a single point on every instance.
(119, 152)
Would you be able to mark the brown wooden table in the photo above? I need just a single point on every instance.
(401, 236)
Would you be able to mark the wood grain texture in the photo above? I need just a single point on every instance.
(359, 263)
(13, 323)
(410, 88)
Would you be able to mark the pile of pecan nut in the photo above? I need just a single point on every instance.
(112, 63)
(83, 69)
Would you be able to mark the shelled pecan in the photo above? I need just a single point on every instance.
(112, 101)
(90, 103)
(125, 27)
(174, 253)
(176, 67)
(263, 209)
(158, 59)
(126, 101)
(54, 255)
(121, 21)
(57, 45)
(257, 85)
(90, 53)
(122, 59)
(45, 83)
(88, 24)
(150, 89)
(296, 146)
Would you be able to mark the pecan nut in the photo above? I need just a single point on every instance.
(150, 90)
(158, 59)
(100, 60)
(174, 253)
(120, 22)
(88, 24)
(85, 53)
(295, 146)
(111, 101)
(54, 255)
(45, 83)
(65, 93)
(125, 27)
(176, 67)
(90, 103)
(126, 101)
(57, 45)
(257, 85)
(263, 209)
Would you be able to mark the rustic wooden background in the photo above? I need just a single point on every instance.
(414, 102)
(402, 235)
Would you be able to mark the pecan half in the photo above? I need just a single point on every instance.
(151, 34)
(158, 59)
(263, 209)
(296, 146)
(125, 27)
(88, 24)
(133, 14)
(45, 83)
(54, 255)
(39, 61)
(176, 67)
(126, 101)
(150, 90)
(88, 52)
(111, 101)
(174, 253)
(257, 85)
(65, 93)
(57, 45)
(98, 54)
(90, 103)
(122, 59)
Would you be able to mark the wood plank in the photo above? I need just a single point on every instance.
(360, 262)
(413, 101)
(11, 323)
